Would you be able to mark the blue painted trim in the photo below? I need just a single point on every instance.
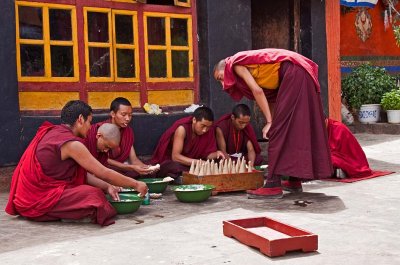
(347, 70)
(356, 4)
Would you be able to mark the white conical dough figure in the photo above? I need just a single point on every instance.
(229, 165)
(233, 170)
(197, 168)
(225, 169)
(242, 168)
(250, 167)
(201, 172)
(216, 170)
(191, 170)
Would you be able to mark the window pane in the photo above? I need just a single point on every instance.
(124, 29)
(62, 61)
(30, 22)
(97, 27)
(32, 60)
(99, 62)
(179, 32)
(60, 24)
(157, 63)
(180, 64)
(156, 30)
(125, 63)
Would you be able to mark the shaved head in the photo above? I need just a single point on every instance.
(110, 132)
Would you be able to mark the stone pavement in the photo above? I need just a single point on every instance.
(356, 223)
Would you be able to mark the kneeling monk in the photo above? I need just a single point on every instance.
(236, 136)
(188, 139)
(50, 180)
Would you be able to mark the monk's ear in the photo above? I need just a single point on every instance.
(81, 119)
(232, 117)
(193, 120)
(112, 114)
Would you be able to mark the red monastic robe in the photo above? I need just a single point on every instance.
(298, 143)
(237, 142)
(198, 147)
(40, 196)
(346, 152)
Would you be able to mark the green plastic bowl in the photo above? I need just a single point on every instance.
(193, 192)
(155, 185)
(129, 203)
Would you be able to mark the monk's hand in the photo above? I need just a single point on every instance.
(113, 191)
(142, 169)
(221, 154)
(141, 187)
(265, 130)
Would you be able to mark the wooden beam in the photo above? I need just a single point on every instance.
(332, 9)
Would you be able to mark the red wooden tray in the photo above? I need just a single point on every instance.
(272, 237)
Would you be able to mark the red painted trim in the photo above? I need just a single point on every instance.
(170, 85)
(196, 73)
(58, 2)
(142, 57)
(48, 86)
(81, 50)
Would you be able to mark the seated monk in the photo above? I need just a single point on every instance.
(188, 139)
(50, 182)
(346, 152)
(123, 158)
(236, 136)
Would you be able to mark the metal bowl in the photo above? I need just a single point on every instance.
(193, 192)
(129, 203)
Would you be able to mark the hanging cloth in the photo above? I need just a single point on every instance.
(358, 3)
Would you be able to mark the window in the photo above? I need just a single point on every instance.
(111, 45)
(46, 42)
(168, 47)
(185, 3)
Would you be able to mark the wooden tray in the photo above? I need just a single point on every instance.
(228, 182)
(272, 237)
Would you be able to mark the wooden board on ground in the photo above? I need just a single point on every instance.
(228, 182)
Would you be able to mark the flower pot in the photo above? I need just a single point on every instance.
(369, 113)
(393, 116)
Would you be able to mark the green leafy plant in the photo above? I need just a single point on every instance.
(396, 32)
(366, 85)
(391, 100)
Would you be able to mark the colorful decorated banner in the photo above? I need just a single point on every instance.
(359, 3)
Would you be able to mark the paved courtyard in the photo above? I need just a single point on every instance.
(356, 223)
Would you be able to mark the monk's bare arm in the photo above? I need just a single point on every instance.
(77, 151)
(221, 141)
(101, 184)
(177, 147)
(134, 165)
(258, 94)
(251, 153)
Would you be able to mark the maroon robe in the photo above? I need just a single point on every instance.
(236, 142)
(42, 196)
(298, 143)
(198, 147)
(346, 152)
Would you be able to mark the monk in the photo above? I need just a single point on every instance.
(122, 158)
(236, 137)
(285, 86)
(347, 154)
(188, 139)
(50, 182)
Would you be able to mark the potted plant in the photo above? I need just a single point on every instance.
(363, 89)
(391, 103)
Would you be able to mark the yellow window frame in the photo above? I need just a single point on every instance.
(98, 44)
(133, 46)
(168, 47)
(180, 3)
(47, 43)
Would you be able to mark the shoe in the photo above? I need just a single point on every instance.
(265, 193)
(292, 186)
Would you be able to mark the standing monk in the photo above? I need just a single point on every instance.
(50, 181)
(288, 82)
(123, 158)
(187, 140)
(236, 136)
